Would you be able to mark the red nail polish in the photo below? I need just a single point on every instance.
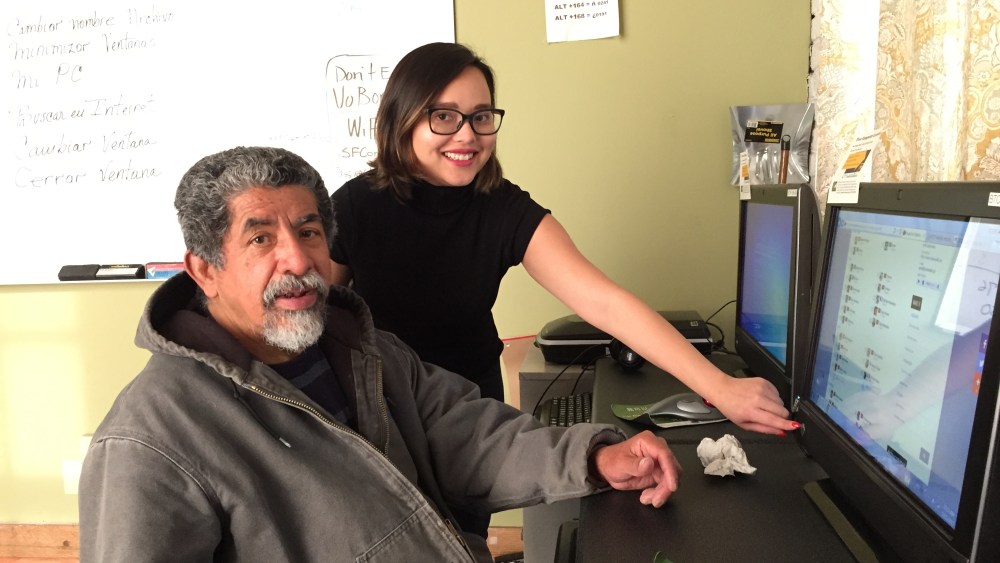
(782, 434)
(796, 425)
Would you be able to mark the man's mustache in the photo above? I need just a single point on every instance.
(293, 284)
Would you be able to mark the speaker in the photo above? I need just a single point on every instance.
(624, 355)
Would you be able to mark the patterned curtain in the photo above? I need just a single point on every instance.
(924, 72)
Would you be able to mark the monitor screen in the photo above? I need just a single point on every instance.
(896, 378)
(764, 285)
(779, 232)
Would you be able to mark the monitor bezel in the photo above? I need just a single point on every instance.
(903, 526)
(805, 244)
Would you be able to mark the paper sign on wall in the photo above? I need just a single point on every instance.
(856, 169)
(579, 21)
(744, 175)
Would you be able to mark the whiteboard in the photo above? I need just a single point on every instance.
(110, 102)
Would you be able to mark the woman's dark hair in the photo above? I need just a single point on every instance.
(412, 87)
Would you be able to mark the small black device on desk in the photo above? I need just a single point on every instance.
(570, 339)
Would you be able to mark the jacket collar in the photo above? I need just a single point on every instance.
(175, 322)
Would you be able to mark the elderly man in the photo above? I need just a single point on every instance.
(274, 423)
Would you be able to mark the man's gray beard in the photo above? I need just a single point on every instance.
(294, 331)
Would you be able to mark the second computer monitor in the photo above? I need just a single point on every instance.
(779, 236)
(899, 401)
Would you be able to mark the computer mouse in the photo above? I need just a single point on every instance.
(689, 406)
(681, 409)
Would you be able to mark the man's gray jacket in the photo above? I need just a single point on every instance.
(210, 455)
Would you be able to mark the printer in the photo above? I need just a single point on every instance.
(571, 340)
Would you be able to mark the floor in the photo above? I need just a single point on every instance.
(44, 543)
(23, 543)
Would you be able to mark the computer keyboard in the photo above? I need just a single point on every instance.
(566, 410)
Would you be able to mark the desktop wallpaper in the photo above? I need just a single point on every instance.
(766, 276)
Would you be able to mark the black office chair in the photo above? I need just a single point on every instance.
(566, 542)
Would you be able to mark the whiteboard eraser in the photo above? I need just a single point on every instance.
(78, 272)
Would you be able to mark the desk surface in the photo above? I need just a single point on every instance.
(761, 517)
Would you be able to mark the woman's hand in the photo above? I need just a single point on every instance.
(752, 403)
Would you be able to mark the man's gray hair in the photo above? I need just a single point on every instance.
(205, 191)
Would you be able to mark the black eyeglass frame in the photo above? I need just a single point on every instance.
(466, 117)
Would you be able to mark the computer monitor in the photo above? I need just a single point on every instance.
(900, 403)
(779, 238)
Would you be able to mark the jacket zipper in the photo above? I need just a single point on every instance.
(458, 536)
(382, 408)
(319, 415)
(385, 419)
(383, 411)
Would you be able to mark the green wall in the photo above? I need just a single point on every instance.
(626, 140)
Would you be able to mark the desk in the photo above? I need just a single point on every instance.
(761, 517)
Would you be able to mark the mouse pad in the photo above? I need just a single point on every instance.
(640, 414)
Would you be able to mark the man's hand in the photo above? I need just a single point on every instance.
(642, 462)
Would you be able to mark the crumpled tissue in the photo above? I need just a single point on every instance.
(724, 456)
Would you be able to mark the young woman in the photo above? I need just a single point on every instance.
(429, 232)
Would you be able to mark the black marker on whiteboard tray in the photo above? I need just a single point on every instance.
(90, 272)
